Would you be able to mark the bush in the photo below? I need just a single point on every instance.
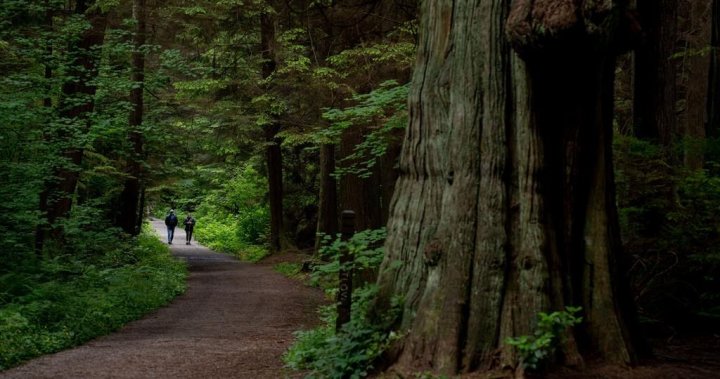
(351, 352)
(537, 349)
(65, 301)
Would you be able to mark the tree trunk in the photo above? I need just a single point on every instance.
(273, 152)
(697, 69)
(505, 203)
(42, 228)
(358, 194)
(713, 100)
(655, 73)
(130, 196)
(327, 212)
(76, 105)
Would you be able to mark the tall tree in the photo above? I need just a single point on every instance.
(655, 72)
(696, 33)
(505, 203)
(713, 99)
(273, 152)
(76, 105)
(130, 207)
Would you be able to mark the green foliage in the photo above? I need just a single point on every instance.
(383, 111)
(351, 352)
(670, 229)
(66, 301)
(365, 248)
(291, 270)
(233, 218)
(537, 349)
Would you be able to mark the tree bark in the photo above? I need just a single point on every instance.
(713, 100)
(655, 73)
(273, 152)
(505, 203)
(697, 68)
(328, 204)
(358, 194)
(76, 105)
(130, 209)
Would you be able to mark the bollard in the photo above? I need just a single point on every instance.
(344, 296)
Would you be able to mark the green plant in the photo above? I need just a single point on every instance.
(351, 352)
(291, 270)
(536, 349)
(68, 300)
(365, 248)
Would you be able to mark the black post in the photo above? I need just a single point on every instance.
(344, 297)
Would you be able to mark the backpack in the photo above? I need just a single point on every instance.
(171, 220)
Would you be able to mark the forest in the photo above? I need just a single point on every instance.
(534, 185)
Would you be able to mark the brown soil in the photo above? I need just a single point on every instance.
(235, 321)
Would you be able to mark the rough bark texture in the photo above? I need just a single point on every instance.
(130, 208)
(655, 72)
(76, 105)
(713, 101)
(505, 203)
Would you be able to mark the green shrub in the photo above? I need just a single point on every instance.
(351, 352)
(537, 349)
(67, 301)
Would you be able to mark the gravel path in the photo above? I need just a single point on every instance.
(235, 321)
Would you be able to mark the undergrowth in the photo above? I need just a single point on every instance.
(536, 350)
(289, 269)
(351, 352)
(66, 300)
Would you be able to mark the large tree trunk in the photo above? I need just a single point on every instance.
(76, 105)
(505, 203)
(655, 72)
(130, 209)
(713, 100)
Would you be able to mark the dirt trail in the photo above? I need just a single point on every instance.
(235, 321)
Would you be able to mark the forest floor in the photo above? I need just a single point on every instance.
(689, 357)
(235, 321)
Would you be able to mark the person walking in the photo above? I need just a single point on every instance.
(189, 226)
(171, 222)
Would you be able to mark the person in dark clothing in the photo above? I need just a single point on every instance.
(171, 222)
(189, 226)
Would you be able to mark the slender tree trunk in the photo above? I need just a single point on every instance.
(42, 228)
(505, 203)
(76, 105)
(129, 198)
(358, 194)
(713, 100)
(328, 204)
(655, 73)
(697, 68)
(273, 152)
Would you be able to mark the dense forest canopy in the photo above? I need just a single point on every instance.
(527, 157)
